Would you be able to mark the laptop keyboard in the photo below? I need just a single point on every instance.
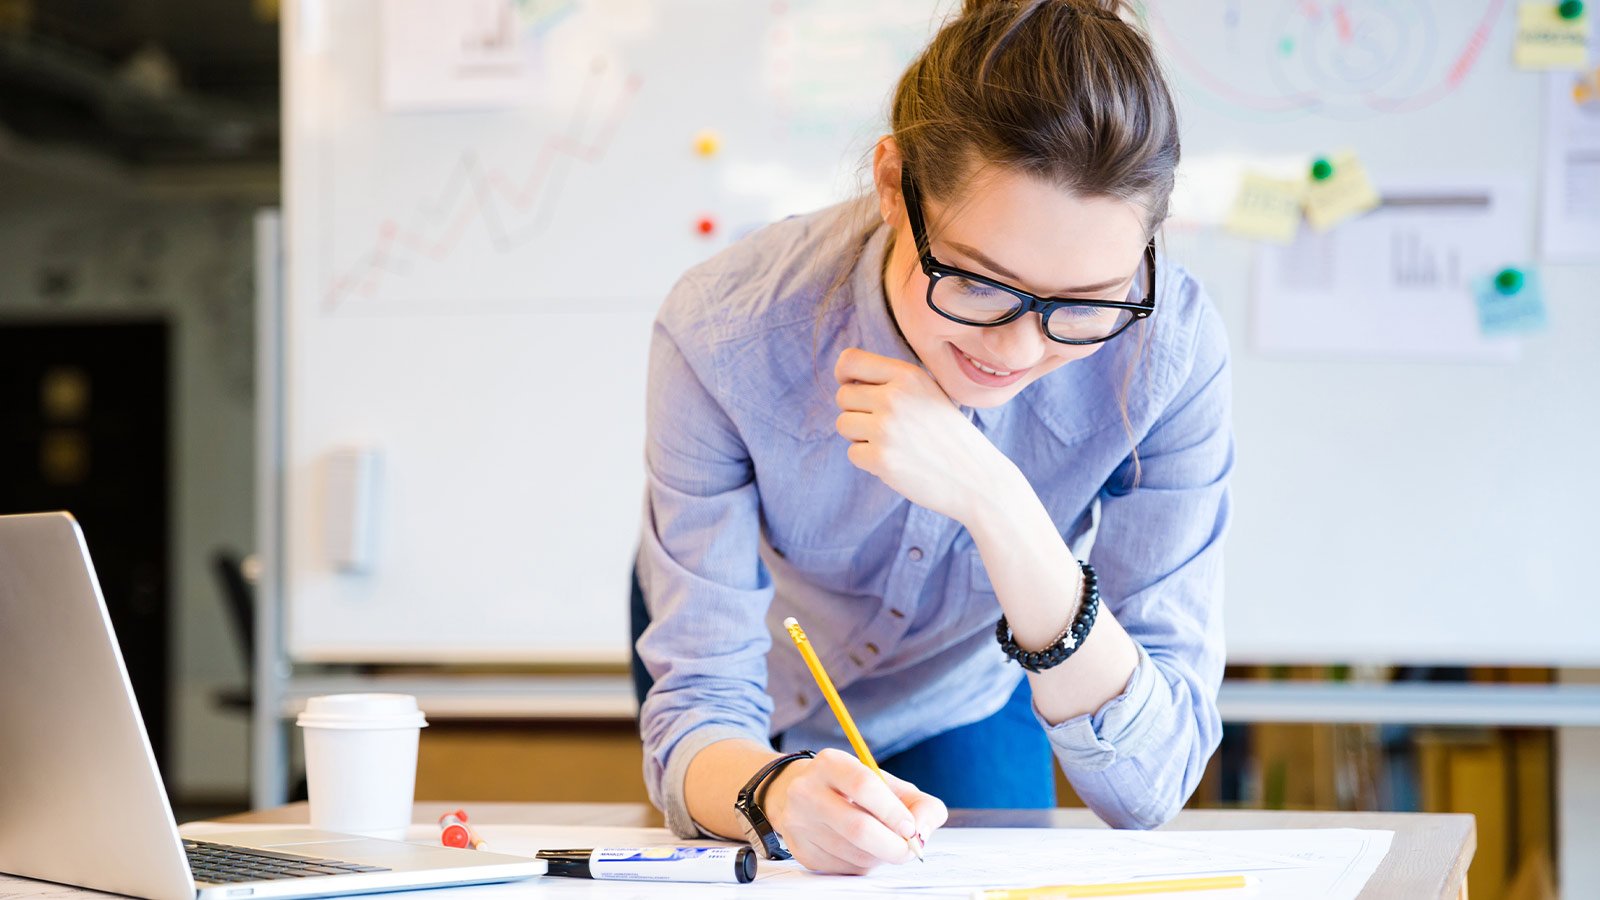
(222, 864)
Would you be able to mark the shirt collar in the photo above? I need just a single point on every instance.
(877, 331)
(876, 327)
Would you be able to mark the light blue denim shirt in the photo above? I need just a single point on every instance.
(753, 513)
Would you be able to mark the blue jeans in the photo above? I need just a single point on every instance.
(1002, 762)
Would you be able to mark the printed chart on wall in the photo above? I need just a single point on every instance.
(563, 151)
(1396, 283)
(1571, 208)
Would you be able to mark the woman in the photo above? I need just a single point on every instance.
(1016, 377)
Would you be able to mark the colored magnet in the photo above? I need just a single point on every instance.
(1321, 170)
(1508, 281)
(1569, 9)
(707, 143)
(705, 226)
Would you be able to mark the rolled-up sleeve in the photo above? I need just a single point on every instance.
(1137, 759)
(700, 571)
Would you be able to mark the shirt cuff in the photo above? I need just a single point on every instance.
(1123, 727)
(675, 805)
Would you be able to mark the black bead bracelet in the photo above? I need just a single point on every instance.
(1067, 642)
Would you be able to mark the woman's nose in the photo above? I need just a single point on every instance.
(1016, 345)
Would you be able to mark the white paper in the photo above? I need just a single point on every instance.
(1395, 283)
(1208, 185)
(441, 55)
(1331, 863)
(1570, 230)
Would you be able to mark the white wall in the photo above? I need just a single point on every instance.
(188, 259)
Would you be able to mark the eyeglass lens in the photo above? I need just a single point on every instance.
(981, 304)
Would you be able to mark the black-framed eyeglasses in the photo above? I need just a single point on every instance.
(981, 301)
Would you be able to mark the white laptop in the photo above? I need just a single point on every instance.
(81, 800)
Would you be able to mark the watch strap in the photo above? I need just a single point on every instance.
(753, 794)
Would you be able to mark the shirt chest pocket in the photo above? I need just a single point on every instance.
(833, 569)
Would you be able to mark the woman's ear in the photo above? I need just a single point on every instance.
(886, 180)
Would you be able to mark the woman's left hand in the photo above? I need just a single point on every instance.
(904, 430)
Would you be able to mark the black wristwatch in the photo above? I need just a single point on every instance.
(758, 828)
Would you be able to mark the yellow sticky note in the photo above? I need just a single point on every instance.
(1547, 41)
(1345, 193)
(1267, 208)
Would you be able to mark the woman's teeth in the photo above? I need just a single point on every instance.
(983, 368)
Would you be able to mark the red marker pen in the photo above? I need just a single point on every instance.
(455, 832)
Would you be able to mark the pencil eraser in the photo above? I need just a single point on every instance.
(790, 622)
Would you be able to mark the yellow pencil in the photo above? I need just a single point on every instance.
(1120, 889)
(842, 714)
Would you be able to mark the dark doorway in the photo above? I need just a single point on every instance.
(83, 427)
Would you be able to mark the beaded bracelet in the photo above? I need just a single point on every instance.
(1066, 643)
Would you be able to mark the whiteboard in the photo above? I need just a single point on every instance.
(469, 294)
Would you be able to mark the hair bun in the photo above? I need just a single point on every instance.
(1115, 8)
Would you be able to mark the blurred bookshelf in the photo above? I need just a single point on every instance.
(1505, 776)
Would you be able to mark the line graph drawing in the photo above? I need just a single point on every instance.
(581, 187)
(511, 210)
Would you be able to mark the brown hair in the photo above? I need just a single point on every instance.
(1066, 91)
(1063, 90)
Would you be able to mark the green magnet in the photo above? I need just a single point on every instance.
(1508, 281)
(1321, 170)
(1569, 9)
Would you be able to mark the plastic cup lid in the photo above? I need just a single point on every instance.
(363, 711)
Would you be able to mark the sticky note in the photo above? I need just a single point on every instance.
(1545, 40)
(1267, 208)
(1345, 193)
(1502, 311)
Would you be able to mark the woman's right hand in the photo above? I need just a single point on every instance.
(837, 816)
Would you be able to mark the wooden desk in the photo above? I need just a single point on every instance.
(1428, 858)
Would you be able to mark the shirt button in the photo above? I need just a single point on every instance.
(872, 648)
(915, 553)
(800, 699)
(897, 614)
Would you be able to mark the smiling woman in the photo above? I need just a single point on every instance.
(1001, 408)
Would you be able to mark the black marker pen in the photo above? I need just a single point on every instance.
(736, 865)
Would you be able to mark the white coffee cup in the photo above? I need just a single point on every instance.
(361, 762)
